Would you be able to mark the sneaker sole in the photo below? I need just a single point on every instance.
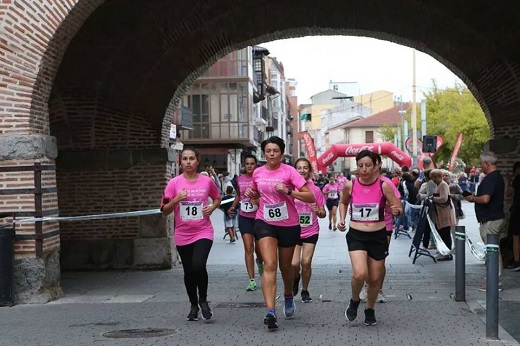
(207, 318)
(370, 324)
(271, 324)
(346, 316)
(192, 319)
(307, 301)
(292, 314)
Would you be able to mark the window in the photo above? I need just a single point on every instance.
(335, 87)
(369, 136)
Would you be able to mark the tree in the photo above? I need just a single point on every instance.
(451, 111)
(387, 133)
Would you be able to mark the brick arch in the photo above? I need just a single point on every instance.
(181, 40)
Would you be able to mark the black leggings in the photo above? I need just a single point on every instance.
(194, 257)
(445, 234)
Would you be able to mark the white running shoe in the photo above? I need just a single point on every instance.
(363, 294)
(381, 297)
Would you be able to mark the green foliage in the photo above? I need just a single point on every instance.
(450, 112)
(387, 132)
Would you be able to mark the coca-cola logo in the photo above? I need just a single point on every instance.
(309, 145)
(353, 151)
(397, 155)
(328, 158)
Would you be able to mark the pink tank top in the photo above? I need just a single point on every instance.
(367, 202)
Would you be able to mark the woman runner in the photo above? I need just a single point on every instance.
(367, 236)
(187, 195)
(332, 190)
(308, 214)
(277, 227)
(246, 221)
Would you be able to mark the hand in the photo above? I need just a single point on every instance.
(207, 210)
(231, 212)
(395, 210)
(182, 195)
(250, 193)
(341, 226)
(281, 187)
(315, 208)
(469, 198)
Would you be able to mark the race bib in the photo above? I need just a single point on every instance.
(365, 212)
(275, 212)
(333, 195)
(247, 207)
(305, 219)
(191, 210)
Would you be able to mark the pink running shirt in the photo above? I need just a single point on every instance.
(246, 208)
(341, 181)
(389, 218)
(190, 224)
(279, 207)
(332, 190)
(306, 213)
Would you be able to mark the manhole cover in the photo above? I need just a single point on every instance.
(240, 305)
(139, 333)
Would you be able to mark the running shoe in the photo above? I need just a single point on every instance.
(335, 228)
(296, 285)
(270, 321)
(351, 312)
(370, 317)
(330, 226)
(515, 266)
(194, 313)
(289, 307)
(381, 297)
(206, 311)
(306, 297)
(363, 294)
(260, 265)
(251, 286)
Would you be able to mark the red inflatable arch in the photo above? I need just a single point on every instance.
(350, 150)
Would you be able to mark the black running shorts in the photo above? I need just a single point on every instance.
(374, 243)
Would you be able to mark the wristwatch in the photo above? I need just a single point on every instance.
(289, 191)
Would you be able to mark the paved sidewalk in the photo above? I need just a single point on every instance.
(419, 310)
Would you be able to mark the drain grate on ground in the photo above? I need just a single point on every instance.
(240, 305)
(139, 333)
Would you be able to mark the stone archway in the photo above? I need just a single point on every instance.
(113, 67)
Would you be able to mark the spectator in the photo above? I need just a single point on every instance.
(229, 220)
(489, 203)
(463, 181)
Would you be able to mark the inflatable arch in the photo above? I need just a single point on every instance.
(350, 150)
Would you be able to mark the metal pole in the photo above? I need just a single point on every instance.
(492, 254)
(460, 263)
(423, 117)
(414, 115)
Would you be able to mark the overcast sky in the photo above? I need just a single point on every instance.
(376, 65)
